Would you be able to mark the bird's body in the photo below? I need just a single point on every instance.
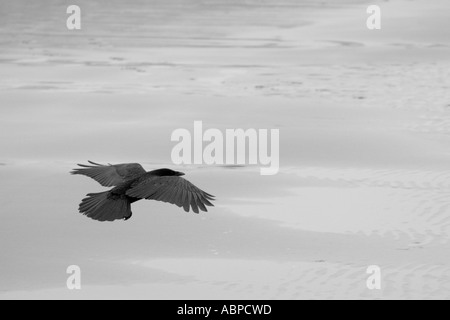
(132, 183)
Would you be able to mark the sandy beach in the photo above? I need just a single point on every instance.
(364, 120)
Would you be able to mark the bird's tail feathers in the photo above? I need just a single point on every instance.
(105, 206)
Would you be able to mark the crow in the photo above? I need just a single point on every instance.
(132, 183)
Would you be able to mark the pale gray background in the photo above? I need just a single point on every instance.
(364, 124)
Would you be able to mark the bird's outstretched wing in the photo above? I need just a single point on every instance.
(172, 189)
(110, 175)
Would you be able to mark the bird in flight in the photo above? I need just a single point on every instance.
(132, 183)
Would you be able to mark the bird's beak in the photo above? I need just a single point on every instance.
(180, 173)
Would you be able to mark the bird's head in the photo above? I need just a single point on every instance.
(166, 172)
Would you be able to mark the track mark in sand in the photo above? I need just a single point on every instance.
(351, 44)
(417, 282)
(38, 87)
